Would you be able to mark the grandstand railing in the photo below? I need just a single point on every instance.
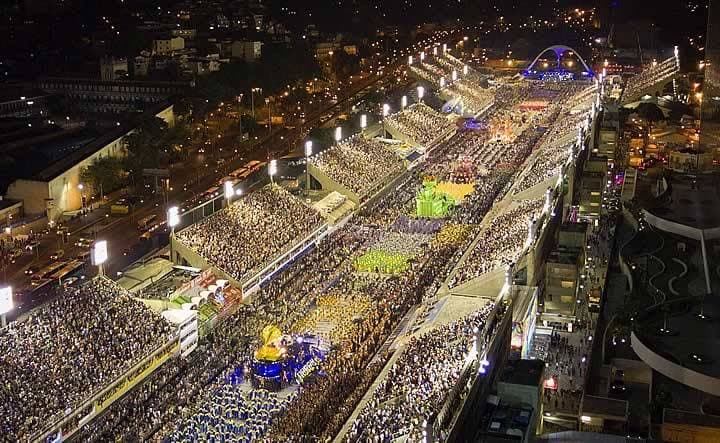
(64, 425)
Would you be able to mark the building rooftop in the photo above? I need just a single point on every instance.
(693, 200)
(603, 406)
(690, 418)
(523, 372)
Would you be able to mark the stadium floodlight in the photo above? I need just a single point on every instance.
(6, 304)
(308, 153)
(363, 121)
(420, 92)
(410, 60)
(173, 216)
(454, 74)
(385, 110)
(403, 101)
(100, 253)
(6, 300)
(173, 219)
(442, 82)
(465, 70)
(338, 133)
(229, 191)
(272, 168)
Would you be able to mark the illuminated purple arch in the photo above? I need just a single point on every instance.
(559, 50)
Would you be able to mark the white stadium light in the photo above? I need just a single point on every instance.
(272, 169)
(100, 252)
(308, 148)
(6, 300)
(173, 217)
(363, 121)
(338, 133)
(229, 191)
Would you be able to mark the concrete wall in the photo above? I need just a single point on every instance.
(32, 193)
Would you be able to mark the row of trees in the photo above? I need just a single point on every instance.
(153, 144)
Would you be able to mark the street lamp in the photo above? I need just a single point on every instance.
(308, 153)
(81, 187)
(6, 304)
(173, 219)
(252, 99)
(272, 170)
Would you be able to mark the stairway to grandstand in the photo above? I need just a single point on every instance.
(647, 82)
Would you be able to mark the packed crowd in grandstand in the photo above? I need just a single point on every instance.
(420, 123)
(207, 396)
(418, 383)
(251, 231)
(358, 163)
(70, 349)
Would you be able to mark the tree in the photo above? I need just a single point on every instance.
(104, 174)
(344, 65)
(651, 113)
(144, 145)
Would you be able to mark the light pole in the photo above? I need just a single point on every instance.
(252, 99)
(385, 113)
(308, 153)
(173, 219)
(81, 187)
(239, 101)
